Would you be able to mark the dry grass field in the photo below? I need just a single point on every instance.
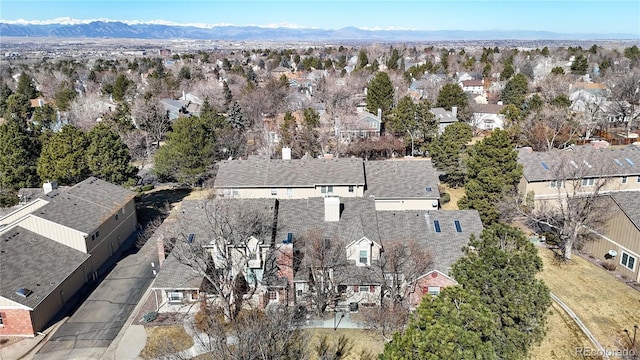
(162, 340)
(363, 340)
(604, 304)
(456, 194)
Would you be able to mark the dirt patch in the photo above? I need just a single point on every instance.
(6, 341)
(562, 339)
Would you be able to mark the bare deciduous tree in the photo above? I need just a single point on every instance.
(551, 127)
(151, 117)
(579, 209)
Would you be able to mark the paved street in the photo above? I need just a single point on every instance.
(96, 323)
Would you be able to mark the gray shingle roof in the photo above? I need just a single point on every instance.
(295, 172)
(629, 203)
(444, 116)
(402, 179)
(544, 166)
(86, 205)
(32, 261)
(359, 218)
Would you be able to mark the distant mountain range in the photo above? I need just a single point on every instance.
(116, 29)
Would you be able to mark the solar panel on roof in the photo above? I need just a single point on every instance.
(629, 161)
(544, 165)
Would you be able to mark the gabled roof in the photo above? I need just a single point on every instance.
(285, 173)
(629, 203)
(401, 179)
(444, 116)
(34, 262)
(487, 108)
(592, 162)
(86, 205)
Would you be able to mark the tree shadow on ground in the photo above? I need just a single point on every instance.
(156, 205)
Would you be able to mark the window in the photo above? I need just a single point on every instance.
(628, 261)
(116, 217)
(588, 182)
(436, 225)
(433, 290)
(350, 188)
(253, 255)
(274, 191)
(299, 293)
(372, 288)
(1, 320)
(174, 297)
(326, 189)
(93, 237)
(235, 192)
(97, 234)
(556, 183)
(638, 179)
(195, 295)
(623, 180)
(273, 295)
(356, 288)
(458, 226)
(364, 257)
(289, 192)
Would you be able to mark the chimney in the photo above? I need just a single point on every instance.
(286, 153)
(454, 111)
(331, 208)
(49, 186)
(379, 114)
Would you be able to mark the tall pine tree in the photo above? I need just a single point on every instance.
(447, 152)
(19, 152)
(493, 173)
(63, 157)
(108, 157)
(380, 95)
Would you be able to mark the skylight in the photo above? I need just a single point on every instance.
(544, 165)
(191, 237)
(24, 292)
(629, 161)
(618, 162)
(436, 225)
(458, 226)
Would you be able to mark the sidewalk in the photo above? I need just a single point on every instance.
(26, 348)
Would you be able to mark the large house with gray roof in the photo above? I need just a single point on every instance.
(578, 170)
(394, 184)
(86, 224)
(283, 265)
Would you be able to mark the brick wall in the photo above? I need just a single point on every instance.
(422, 286)
(16, 322)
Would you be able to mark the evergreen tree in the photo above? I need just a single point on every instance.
(18, 106)
(493, 173)
(380, 95)
(363, 60)
(413, 120)
(64, 95)
(454, 325)
(501, 269)
(25, 86)
(108, 157)
(237, 118)
(451, 95)
(228, 96)
(515, 91)
(121, 87)
(44, 117)
(580, 65)
(448, 149)
(63, 157)
(188, 152)
(557, 70)
(287, 129)
(19, 151)
(507, 72)
(5, 92)
(394, 59)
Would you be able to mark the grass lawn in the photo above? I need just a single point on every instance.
(162, 340)
(456, 194)
(363, 340)
(604, 304)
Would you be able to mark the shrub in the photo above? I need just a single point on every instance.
(445, 197)
(150, 316)
(609, 266)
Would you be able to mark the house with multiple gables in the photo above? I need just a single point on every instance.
(472, 86)
(487, 117)
(619, 240)
(393, 184)
(278, 266)
(54, 244)
(577, 169)
(445, 117)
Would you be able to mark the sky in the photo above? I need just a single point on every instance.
(579, 17)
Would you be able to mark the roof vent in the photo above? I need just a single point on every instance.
(24, 292)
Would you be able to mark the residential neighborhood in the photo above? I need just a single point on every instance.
(393, 191)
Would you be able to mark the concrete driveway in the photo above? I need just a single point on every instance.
(95, 324)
